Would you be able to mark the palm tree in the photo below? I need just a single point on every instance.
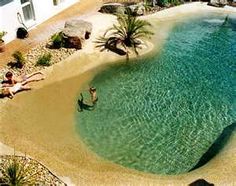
(16, 172)
(127, 33)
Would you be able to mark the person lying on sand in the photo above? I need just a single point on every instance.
(11, 90)
(11, 80)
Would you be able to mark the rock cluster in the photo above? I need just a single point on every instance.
(118, 8)
(32, 169)
(33, 55)
(75, 32)
(112, 8)
(218, 3)
(136, 9)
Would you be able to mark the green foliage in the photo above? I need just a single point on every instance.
(169, 2)
(127, 33)
(57, 40)
(44, 60)
(2, 34)
(19, 59)
(17, 173)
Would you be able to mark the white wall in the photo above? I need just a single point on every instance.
(44, 9)
(9, 20)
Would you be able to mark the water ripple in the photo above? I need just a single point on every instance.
(161, 114)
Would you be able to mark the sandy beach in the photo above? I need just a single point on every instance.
(41, 122)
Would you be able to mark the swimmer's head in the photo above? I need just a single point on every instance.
(92, 89)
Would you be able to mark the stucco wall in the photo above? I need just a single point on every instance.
(8, 18)
(44, 9)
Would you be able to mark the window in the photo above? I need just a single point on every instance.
(28, 10)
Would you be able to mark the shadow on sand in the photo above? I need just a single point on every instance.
(83, 106)
(217, 146)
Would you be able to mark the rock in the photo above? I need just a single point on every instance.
(73, 42)
(137, 9)
(218, 3)
(78, 27)
(112, 8)
(75, 32)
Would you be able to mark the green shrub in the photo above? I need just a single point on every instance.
(19, 59)
(57, 40)
(44, 60)
(16, 173)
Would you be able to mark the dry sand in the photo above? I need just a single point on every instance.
(41, 122)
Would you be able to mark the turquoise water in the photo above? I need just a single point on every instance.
(160, 114)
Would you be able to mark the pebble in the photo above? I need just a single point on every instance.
(33, 169)
(32, 56)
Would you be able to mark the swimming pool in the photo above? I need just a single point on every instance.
(161, 113)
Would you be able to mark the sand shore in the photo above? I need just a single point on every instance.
(41, 122)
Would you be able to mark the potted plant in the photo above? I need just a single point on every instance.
(2, 43)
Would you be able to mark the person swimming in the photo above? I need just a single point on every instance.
(93, 94)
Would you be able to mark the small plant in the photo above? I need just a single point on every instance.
(2, 44)
(44, 60)
(19, 59)
(2, 34)
(57, 40)
(17, 173)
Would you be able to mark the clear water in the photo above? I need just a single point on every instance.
(161, 114)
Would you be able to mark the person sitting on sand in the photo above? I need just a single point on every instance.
(93, 93)
(11, 90)
(10, 80)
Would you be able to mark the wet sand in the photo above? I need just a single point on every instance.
(41, 122)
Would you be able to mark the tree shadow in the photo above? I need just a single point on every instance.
(115, 50)
(13, 64)
(217, 146)
(109, 44)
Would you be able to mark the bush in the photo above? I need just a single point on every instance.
(2, 34)
(17, 173)
(57, 40)
(19, 59)
(44, 60)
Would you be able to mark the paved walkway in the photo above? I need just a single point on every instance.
(43, 31)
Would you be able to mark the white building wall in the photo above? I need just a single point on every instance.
(8, 18)
(44, 9)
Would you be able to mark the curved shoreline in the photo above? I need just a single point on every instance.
(37, 127)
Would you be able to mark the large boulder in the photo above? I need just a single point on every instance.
(112, 8)
(218, 3)
(75, 32)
